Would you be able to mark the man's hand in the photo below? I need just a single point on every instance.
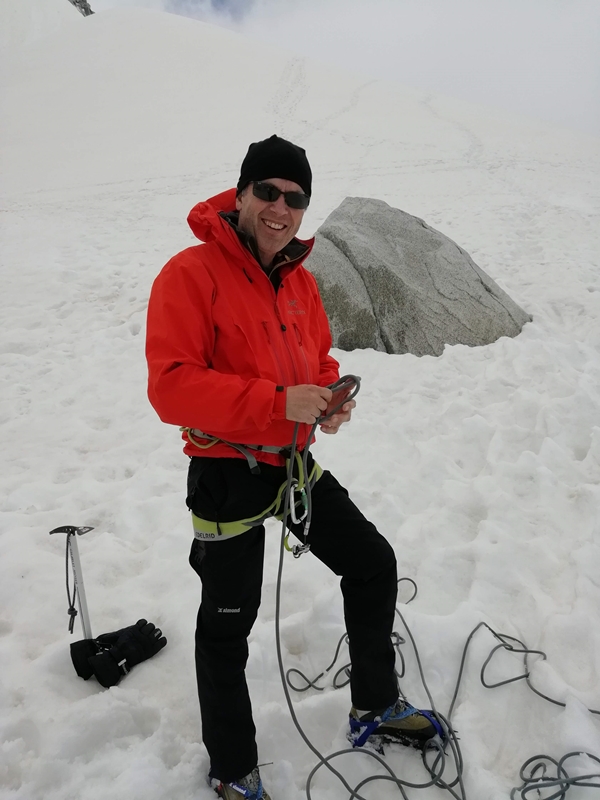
(306, 402)
(343, 415)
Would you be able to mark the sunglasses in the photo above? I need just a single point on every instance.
(270, 193)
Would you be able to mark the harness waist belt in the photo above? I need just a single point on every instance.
(244, 449)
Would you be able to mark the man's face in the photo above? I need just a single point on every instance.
(273, 225)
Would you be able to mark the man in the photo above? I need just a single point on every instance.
(238, 353)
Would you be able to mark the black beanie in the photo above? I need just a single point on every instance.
(275, 158)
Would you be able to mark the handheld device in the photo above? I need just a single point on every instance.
(342, 390)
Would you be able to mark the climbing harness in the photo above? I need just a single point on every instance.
(245, 449)
(294, 495)
(212, 530)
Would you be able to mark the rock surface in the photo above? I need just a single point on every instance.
(392, 283)
(83, 6)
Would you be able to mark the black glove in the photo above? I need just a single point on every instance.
(112, 655)
(81, 652)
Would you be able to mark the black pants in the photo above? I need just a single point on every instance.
(231, 573)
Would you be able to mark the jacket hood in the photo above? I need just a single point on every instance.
(204, 218)
(207, 223)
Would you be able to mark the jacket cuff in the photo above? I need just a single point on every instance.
(279, 403)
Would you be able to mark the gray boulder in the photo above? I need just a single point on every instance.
(391, 282)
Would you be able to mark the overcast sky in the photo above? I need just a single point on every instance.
(539, 57)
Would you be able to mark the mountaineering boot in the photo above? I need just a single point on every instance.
(248, 788)
(401, 723)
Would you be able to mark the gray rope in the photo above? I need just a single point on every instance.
(325, 761)
(532, 782)
(534, 779)
(309, 683)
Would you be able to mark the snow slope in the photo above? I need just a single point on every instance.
(25, 21)
(482, 467)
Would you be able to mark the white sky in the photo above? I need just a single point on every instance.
(539, 57)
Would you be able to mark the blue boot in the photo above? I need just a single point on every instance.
(401, 723)
(248, 788)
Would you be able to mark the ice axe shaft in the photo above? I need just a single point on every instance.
(79, 589)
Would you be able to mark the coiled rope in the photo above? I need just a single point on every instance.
(534, 773)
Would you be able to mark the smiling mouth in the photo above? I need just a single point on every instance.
(274, 226)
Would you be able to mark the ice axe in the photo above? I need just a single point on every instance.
(111, 655)
(78, 589)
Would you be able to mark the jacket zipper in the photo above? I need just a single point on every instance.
(275, 354)
(283, 329)
(299, 338)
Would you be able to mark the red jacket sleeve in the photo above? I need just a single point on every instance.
(182, 387)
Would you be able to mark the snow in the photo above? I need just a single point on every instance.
(529, 56)
(482, 467)
(22, 23)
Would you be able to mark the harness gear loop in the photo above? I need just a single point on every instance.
(213, 530)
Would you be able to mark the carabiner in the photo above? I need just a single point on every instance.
(295, 519)
(299, 549)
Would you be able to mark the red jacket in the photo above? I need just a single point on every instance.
(221, 339)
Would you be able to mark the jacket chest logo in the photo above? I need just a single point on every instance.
(293, 308)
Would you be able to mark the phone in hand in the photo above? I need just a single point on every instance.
(338, 398)
(339, 395)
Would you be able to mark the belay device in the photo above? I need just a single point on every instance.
(111, 655)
